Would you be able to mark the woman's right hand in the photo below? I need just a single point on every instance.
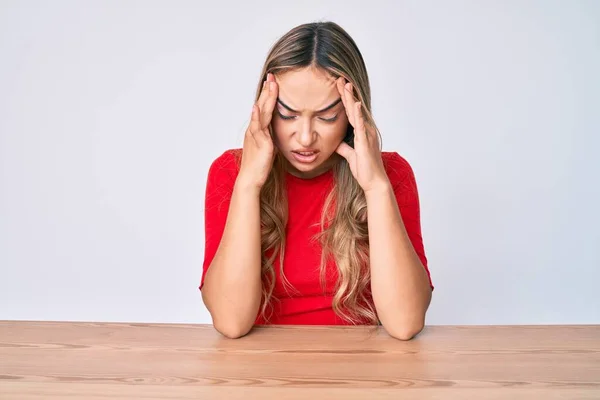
(259, 150)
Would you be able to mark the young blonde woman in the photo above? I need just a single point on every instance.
(311, 223)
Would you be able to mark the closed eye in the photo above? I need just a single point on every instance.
(290, 117)
(332, 119)
(285, 117)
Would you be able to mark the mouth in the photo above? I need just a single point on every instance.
(305, 157)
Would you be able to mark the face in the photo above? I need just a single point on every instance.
(309, 117)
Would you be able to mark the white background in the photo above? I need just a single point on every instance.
(112, 111)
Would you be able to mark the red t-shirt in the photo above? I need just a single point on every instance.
(308, 304)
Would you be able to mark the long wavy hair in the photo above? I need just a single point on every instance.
(343, 234)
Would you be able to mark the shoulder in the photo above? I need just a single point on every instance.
(226, 164)
(227, 159)
(397, 167)
(402, 178)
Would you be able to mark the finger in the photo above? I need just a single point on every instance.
(269, 104)
(340, 86)
(254, 120)
(344, 95)
(265, 90)
(360, 132)
(340, 82)
(350, 103)
(373, 136)
(263, 94)
(345, 150)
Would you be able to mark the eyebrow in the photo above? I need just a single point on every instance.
(319, 111)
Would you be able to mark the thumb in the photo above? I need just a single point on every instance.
(345, 150)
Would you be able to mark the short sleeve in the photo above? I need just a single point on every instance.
(219, 189)
(403, 181)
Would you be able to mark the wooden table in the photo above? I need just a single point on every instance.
(52, 360)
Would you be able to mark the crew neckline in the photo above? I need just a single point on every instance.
(309, 181)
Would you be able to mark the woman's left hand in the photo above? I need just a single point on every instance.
(364, 159)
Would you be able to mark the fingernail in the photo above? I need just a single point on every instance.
(272, 86)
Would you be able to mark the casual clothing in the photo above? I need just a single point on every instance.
(306, 303)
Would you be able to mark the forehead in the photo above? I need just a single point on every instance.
(307, 89)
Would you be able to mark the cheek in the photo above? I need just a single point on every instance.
(338, 130)
(333, 132)
(283, 131)
(277, 125)
(280, 130)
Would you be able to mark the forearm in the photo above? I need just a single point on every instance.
(399, 282)
(232, 288)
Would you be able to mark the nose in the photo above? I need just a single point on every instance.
(306, 135)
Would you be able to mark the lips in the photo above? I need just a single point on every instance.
(305, 157)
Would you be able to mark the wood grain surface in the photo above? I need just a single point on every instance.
(73, 360)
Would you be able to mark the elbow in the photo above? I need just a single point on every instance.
(231, 330)
(232, 333)
(405, 332)
(225, 321)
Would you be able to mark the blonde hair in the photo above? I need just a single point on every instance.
(344, 235)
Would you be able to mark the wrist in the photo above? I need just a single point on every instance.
(246, 186)
(380, 188)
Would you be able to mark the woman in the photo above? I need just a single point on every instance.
(310, 223)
